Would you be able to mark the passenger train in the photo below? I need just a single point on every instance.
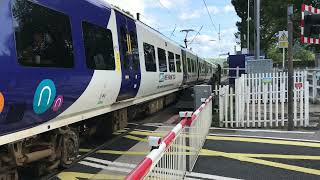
(66, 61)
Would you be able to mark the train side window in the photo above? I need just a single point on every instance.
(162, 60)
(172, 66)
(192, 64)
(178, 61)
(98, 47)
(43, 36)
(195, 66)
(189, 65)
(150, 57)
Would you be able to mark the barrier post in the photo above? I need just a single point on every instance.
(314, 87)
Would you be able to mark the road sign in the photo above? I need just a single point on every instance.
(267, 80)
(283, 39)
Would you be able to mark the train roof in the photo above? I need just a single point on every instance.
(153, 29)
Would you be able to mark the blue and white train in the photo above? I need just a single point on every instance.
(66, 61)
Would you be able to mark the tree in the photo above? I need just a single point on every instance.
(273, 19)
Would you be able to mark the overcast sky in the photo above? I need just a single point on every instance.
(167, 15)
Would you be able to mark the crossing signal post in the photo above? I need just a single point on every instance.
(290, 67)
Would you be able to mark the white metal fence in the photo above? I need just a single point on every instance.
(259, 100)
(198, 130)
(170, 159)
(314, 79)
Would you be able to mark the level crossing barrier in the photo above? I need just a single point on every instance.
(259, 100)
(179, 149)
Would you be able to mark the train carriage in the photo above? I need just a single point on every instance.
(64, 62)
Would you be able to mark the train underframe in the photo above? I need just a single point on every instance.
(40, 154)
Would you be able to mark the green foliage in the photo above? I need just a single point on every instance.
(275, 54)
(299, 54)
(273, 19)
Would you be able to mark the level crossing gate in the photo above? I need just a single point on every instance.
(179, 149)
(260, 100)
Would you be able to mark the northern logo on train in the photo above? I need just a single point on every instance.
(57, 103)
(44, 96)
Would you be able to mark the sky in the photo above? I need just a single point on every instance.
(171, 16)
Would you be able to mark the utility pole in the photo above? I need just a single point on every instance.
(257, 29)
(248, 30)
(290, 67)
(186, 38)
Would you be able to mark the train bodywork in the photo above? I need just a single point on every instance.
(113, 62)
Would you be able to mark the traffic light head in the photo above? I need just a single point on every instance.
(312, 25)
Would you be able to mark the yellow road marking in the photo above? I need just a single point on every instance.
(206, 152)
(250, 158)
(276, 164)
(264, 141)
(136, 138)
(77, 176)
(140, 133)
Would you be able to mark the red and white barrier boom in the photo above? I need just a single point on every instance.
(169, 160)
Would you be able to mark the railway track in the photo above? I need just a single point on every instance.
(107, 142)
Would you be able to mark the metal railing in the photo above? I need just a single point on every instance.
(171, 159)
(226, 72)
(314, 80)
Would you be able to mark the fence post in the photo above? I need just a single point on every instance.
(237, 73)
(306, 104)
(314, 87)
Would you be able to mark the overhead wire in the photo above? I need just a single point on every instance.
(198, 33)
(172, 14)
(214, 26)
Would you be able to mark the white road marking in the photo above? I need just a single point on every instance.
(209, 176)
(264, 130)
(109, 168)
(127, 168)
(264, 137)
(120, 164)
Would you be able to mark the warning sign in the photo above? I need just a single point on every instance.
(283, 39)
(298, 85)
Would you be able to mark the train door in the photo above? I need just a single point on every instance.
(184, 65)
(129, 55)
